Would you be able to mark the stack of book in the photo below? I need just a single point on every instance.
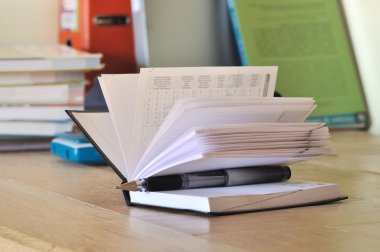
(37, 84)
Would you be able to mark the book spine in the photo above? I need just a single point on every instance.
(352, 120)
(31, 128)
(43, 94)
(62, 64)
(237, 33)
(32, 78)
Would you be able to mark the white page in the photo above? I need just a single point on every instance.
(256, 189)
(294, 152)
(199, 160)
(189, 147)
(120, 93)
(182, 106)
(198, 163)
(159, 88)
(191, 140)
(199, 138)
(300, 149)
(99, 126)
(257, 138)
(185, 104)
(196, 148)
(221, 146)
(265, 135)
(224, 115)
(273, 128)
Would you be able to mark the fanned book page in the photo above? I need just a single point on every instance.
(159, 127)
(258, 143)
(98, 127)
(139, 104)
(160, 88)
(257, 112)
(213, 112)
(120, 93)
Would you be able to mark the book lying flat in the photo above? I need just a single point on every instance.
(64, 93)
(35, 113)
(24, 143)
(34, 128)
(180, 120)
(46, 58)
(43, 77)
(244, 198)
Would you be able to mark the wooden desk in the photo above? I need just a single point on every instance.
(47, 204)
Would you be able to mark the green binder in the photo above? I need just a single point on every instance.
(309, 41)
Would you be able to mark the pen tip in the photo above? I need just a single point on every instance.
(130, 186)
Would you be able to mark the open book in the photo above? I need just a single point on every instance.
(179, 120)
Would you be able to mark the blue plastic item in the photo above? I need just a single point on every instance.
(76, 148)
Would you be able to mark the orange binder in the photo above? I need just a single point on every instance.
(100, 27)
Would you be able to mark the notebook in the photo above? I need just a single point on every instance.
(181, 120)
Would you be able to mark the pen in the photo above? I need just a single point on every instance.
(225, 177)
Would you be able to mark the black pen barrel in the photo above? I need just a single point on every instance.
(186, 181)
(227, 177)
(257, 175)
(164, 183)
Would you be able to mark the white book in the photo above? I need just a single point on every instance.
(244, 198)
(183, 120)
(35, 113)
(29, 78)
(67, 93)
(34, 128)
(46, 58)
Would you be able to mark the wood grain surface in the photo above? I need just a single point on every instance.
(47, 204)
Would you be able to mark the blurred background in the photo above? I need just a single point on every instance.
(168, 33)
